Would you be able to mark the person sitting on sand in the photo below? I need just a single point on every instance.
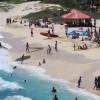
(44, 61)
(82, 39)
(84, 47)
(81, 47)
(39, 64)
(54, 90)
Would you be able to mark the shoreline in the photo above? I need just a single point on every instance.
(51, 63)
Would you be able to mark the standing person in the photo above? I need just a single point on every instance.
(56, 46)
(74, 47)
(52, 28)
(27, 47)
(49, 33)
(49, 49)
(79, 81)
(30, 23)
(31, 32)
(66, 29)
(76, 98)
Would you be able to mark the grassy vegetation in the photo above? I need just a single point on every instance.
(13, 1)
(64, 3)
(46, 13)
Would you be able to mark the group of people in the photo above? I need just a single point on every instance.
(50, 49)
(97, 83)
(79, 47)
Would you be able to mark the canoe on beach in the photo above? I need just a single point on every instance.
(25, 58)
(51, 35)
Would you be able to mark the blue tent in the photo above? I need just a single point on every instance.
(73, 33)
(84, 33)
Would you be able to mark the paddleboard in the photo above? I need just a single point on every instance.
(25, 58)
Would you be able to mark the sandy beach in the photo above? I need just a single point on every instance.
(64, 64)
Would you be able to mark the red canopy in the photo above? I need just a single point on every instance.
(76, 14)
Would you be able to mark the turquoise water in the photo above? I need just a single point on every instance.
(35, 88)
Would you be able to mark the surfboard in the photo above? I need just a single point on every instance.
(51, 35)
(25, 58)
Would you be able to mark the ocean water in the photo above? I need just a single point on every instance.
(38, 85)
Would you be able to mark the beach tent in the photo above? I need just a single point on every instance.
(84, 33)
(75, 14)
(73, 33)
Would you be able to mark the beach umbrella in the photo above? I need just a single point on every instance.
(84, 33)
(73, 33)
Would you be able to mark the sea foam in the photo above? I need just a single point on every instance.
(5, 61)
(4, 85)
(16, 97)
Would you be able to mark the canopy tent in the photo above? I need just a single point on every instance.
(75, 14)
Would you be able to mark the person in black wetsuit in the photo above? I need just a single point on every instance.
(54, 90)
(55, 97)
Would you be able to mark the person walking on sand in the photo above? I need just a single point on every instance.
(27, 47)
(56, 46)
(79, 81)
